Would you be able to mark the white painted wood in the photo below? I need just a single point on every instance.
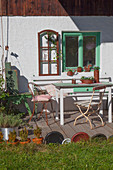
(109, 105)
(62, 89)
(101, 108)
(57, 105)
(61, 107)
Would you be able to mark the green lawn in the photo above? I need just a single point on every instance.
(91, 155)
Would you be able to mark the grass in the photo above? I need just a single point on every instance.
(89, 156)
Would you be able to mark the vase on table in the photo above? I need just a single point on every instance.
(96, 76)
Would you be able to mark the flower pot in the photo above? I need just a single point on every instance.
(79, 69)
(96, 76)
(87, 81)
(13, 143)
(6, 131)
(38, 140)
(70, 73)
(24, 142)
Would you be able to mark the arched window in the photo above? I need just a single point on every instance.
(48, 53)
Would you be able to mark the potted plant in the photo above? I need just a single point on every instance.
(79, 69)
(37, 133)
(96, 74)
(88, 68)
(70, 72)
(24, 136)
(1, 137)
(10, 119)
(9, 123)
(12, 138)
(87, 80)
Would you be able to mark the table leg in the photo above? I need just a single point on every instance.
(57, 105)
(109, 105)
(101, 108)
(61, 107)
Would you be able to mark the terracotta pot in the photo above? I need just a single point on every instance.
(96, 76)
(24, 142)
(79, 69)
(87, 81)
(38, 140)
(70, 73)
(86, 69)
(13, 143)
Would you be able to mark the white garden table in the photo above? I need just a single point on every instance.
(68, 87)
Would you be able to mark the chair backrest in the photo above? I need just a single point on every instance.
(98, 88)
(31, 87)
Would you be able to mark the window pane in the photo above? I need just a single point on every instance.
(53, 68)
(43, 40)
(52, 39)
(44, 54)
(89, 50)
(44, 68)
(71, 51)
(52, 54)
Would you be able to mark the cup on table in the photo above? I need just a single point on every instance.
(73, 81)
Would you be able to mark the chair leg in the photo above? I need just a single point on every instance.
(32, 113)
(52, 110)
(41, 111)
(45, 107)
(77, 118)
(83, 114)
(100, 119)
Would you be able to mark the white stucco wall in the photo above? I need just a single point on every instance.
(21, 35)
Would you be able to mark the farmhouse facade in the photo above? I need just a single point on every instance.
(82, 32)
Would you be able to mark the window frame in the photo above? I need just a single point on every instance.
(48, 47)
(80, 47)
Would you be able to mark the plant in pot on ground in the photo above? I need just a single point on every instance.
(37, 133)
(10, 117)
(12, 138)
(1, 137)
(9, 123)
(87, 80)
(24, 136)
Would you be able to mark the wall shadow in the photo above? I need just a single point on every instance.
(22, 81)
(103, 24)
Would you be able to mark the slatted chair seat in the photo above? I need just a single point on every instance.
(85, 103)
(89, 106)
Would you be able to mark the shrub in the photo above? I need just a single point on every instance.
(12, 120)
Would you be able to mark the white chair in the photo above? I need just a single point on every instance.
(90, 106)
